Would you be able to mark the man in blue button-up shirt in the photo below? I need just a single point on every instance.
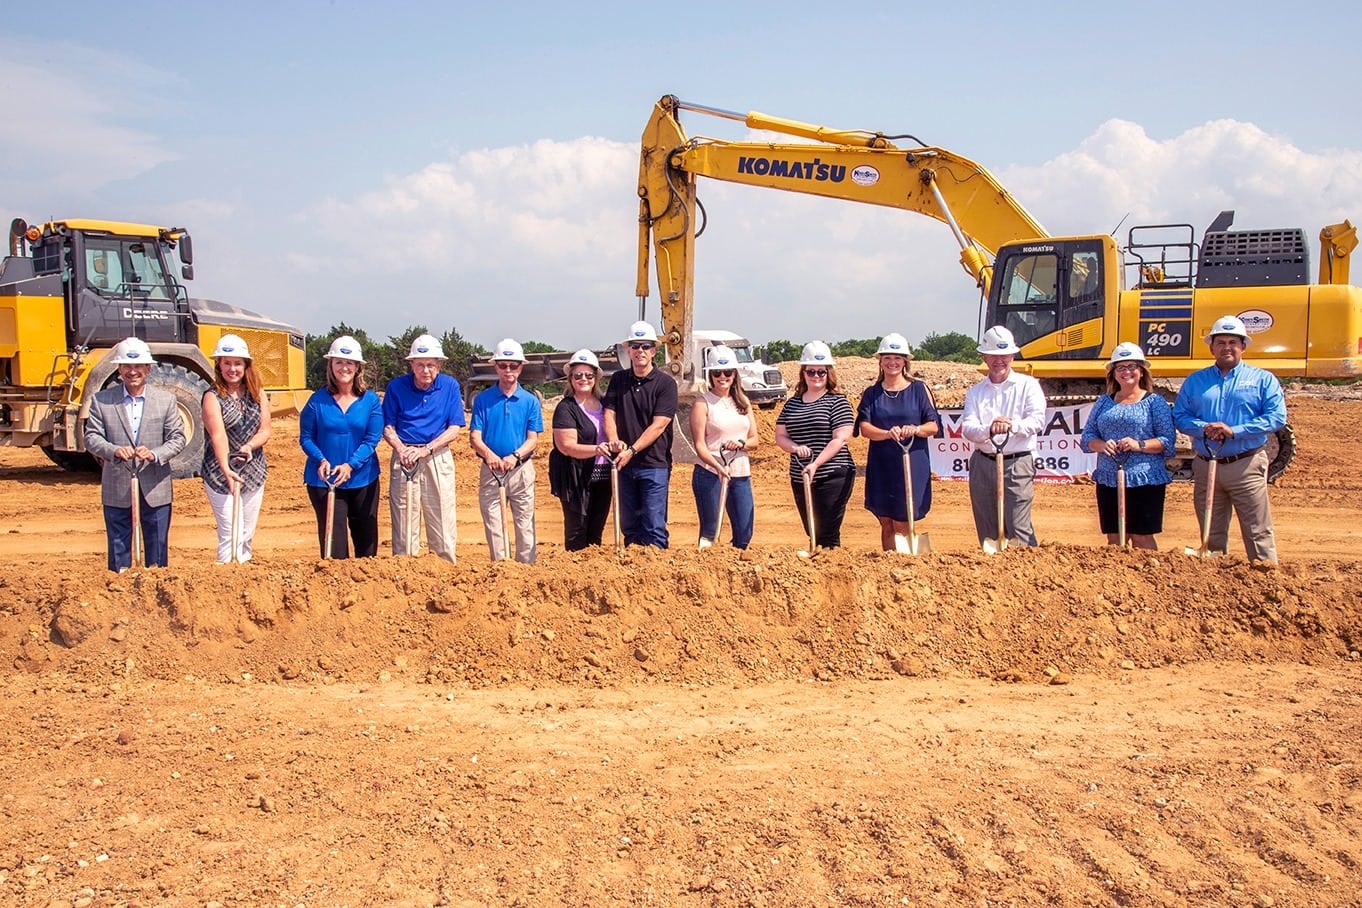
(1228, 410)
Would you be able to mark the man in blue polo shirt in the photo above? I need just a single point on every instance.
(422, 415)
(640, 403)
(504, 431)
(1227, 410)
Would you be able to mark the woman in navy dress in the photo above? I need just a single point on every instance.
(895, 411)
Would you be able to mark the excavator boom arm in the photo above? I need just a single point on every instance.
(853, 165)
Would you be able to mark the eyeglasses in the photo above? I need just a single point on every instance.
(723, 373)
(506, 365)
(1126, 367)
(637, 345)
(582, 376)
(816, 373)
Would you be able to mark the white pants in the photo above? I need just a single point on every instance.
(520, 497)
(222, 512)
(434, 488)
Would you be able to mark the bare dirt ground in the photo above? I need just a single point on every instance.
(1068, 725)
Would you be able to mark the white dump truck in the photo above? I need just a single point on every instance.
(763, 384)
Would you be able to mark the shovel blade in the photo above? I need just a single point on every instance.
(912, 543)
(994, 546)
(1201, 552)
(705, 543)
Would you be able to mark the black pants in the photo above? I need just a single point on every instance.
(356, 509)
(830, 497)
(581, 530)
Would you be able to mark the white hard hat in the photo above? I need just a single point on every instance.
(508, 351)
(1126, 352)
(345, 347)
(720, 356)
(426, 347)
(895, 345)
(1228, 324)
(998, 341)
(231, 345)
(583, 357)
(815, 353)
(641, 331)
(132, 351)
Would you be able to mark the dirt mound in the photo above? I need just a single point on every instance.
(1070, 725)
(720, 616)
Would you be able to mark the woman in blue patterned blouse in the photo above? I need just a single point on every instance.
(1134, 424)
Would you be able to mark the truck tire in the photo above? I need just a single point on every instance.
(188, 388)
(1281, 450)
(72, 461)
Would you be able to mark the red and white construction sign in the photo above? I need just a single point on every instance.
(1059, 456)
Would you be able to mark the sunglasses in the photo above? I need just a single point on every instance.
(582, 376)
(816, 373)
(721, 373)
(641, 346)
(506, 365)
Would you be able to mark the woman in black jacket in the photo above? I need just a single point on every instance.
(579, 464)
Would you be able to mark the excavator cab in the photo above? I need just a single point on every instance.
(1049, 294)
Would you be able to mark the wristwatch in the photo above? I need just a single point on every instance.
(1142, 441)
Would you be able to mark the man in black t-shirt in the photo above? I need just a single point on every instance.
(640, 403)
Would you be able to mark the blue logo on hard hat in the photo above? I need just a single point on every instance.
(132, 354)
(818, 356)
(1002, 345)
(422, 349)
(346, 350)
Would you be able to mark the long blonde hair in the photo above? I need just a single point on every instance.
(735, 391)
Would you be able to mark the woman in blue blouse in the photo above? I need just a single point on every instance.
(339, 430)
(1133, 423)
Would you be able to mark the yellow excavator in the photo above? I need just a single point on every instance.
(1068, 300)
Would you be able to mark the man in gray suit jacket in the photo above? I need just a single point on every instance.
(135, 425)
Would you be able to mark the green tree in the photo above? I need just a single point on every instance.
(780, 351)
(949, 348)
(315, 347)
(865, 346)
(538, 347)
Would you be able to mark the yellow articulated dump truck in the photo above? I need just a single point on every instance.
(70, 290)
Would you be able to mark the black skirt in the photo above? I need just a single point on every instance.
(1144, 509)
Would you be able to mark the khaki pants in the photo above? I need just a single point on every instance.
(1240, 487)
(520, 497)
(435, 481)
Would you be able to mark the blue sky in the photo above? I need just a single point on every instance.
(475, 168)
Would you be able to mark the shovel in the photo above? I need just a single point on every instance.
(994, 546)
(1121, 498)
(723, 503)
(808, 509)
(329, 543)
(237, 461)
(500, 479)
(412, 518)
(139, 553)
(911, 544)
(615, 498)
(1205, 549)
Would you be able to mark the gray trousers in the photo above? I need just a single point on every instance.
(1240, 487)
(1019, 474)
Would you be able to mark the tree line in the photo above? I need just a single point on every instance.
(384, 360)
(953, 347)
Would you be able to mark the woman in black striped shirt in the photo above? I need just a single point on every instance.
(813, 428)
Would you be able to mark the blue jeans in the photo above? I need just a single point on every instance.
(705, 485)
(155, 535)
(643, 505)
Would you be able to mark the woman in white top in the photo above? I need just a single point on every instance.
(723, 424)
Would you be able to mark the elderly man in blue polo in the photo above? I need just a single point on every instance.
(422, 415)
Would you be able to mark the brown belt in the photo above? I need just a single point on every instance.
(1224, 460)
